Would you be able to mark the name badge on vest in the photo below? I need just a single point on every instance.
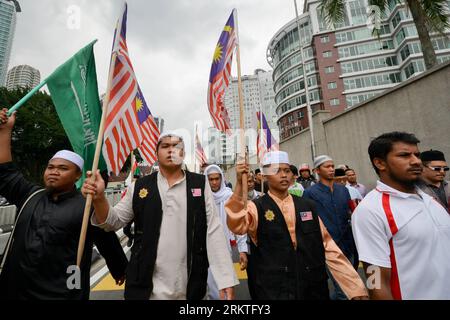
(196, 192)
(306, 216)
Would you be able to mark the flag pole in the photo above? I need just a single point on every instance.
(26, 97)
(241, 110)
(98, 148)
(195, 151)
(261, 125)
(308, 102)
(133, 161)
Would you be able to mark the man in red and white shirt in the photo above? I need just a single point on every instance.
(402, 234)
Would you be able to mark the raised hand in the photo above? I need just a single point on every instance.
(96, 188)
(5, 121)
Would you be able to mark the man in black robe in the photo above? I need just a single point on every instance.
(40, 260)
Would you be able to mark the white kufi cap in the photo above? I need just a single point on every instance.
(275, 157)
(70, 156)
(318, 161)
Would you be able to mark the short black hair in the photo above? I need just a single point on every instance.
(257, 170)
(294, 169)
(349, 169)
(338, 172)
(382, 145)
(169, 136)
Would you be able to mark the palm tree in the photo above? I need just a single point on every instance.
(428, 15)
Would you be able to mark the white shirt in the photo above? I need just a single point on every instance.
(170, 273)
(421, 245)
(354, 193)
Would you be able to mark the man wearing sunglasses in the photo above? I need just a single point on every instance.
(433, 177)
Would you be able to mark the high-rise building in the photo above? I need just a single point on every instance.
(257, 91)
(344, 65)
(7, 28)
(216, 147)
(23, 76)
(160, 123)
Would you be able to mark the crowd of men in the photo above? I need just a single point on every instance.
(295, 233)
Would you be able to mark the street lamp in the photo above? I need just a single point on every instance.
(308, 102)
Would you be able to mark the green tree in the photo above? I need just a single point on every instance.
(38, 133)
(428, 15)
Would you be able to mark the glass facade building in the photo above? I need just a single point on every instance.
(7, 28)
(345, 64)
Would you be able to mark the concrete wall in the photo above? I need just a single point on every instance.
(420, 105)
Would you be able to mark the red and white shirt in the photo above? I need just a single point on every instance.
(408, 233)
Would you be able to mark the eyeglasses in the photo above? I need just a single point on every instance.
(439, 168)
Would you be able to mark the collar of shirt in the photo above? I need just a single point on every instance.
(280, 201)
(163, 179)
(325, 187)
(62, 196)
(384, 188)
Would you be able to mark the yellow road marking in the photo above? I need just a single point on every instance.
(242, 275)
(108, 284)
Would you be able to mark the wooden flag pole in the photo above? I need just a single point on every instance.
(98, 148)
(261, 126)
(195, 151)
(241, 112)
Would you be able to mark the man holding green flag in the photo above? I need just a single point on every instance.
(41, 255)
(73, 88)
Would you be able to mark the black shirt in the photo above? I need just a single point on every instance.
(440, 193)
(46, 241)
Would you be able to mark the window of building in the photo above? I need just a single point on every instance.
(369, 64)
(324, 39)
(312, 81)
(327, 54)
(329, 69)
(332, 85)
(334, 102)
(414, 67)
(358, 12)
(372, 81)
(355, 99)
(365, 48)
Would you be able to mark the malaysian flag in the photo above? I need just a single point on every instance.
(265, 141)
(129, 122)
(220, 74)
(199, 153)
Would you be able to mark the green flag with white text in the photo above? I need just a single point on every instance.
(74, 91)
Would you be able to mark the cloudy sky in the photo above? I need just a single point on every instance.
(171, 43)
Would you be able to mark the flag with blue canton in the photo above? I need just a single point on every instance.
(265, 140)
(129, 124)
(220, 74)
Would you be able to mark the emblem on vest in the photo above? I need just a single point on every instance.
(269, 215)
(143, 193)
(306, 216)
(196, 192)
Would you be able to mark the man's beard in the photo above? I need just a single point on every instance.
(50, 189)
(406, 183)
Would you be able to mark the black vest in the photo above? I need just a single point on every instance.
(147, 208)
(281, 272)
